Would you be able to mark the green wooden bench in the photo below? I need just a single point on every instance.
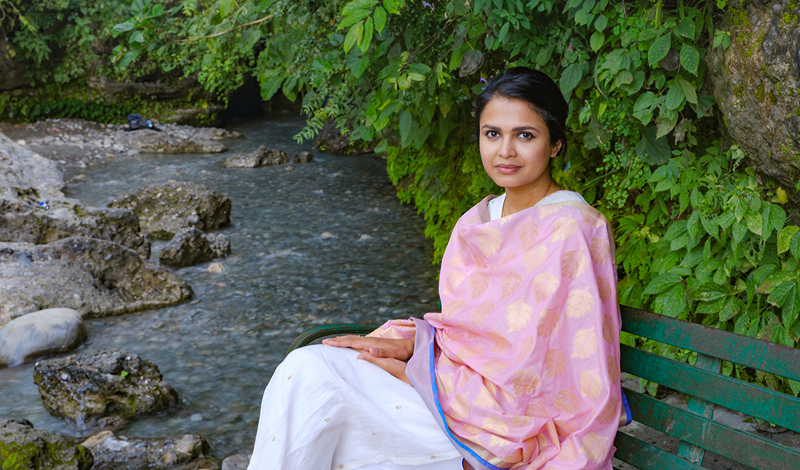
(703, 382)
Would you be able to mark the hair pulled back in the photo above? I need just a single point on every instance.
(535, 88)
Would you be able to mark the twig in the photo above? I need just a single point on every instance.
(268, 17)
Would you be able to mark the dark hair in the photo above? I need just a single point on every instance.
(535, 88)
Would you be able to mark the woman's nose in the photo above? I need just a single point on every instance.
(507, 148)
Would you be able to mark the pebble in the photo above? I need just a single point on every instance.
(196, 417)
(326, 235)
(363, 237)
(289, 168)
(216, 268)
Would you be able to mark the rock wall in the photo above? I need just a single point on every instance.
(756, 83)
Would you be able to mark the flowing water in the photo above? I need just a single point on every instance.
(220, 349)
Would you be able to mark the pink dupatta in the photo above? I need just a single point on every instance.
(521, 368)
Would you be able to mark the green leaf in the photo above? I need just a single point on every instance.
(794, 245)
(353, 18)
(670, 303)
(358, 5)
(357, 63)
(709, 292)
(137, 36)
(380, 19)
(366, 38)
(686, 28)
(785, 237)
(458, 56)
(665, 124)
(730, 308)
(662, 283)
(688, 90)
(128, 58)
(653, 150)
(382, 146)
(393, 6)
(123, 28)
(503, 32)
(774, 217)
(405, 125)
(597, 40)
(570, 78)
(419, 68)
(675, 96)
(659, 49)
(791, 307)
(754, 222)
(690, 58)
(352, 36)
(225, 7)
(779, 293)
(601, 23)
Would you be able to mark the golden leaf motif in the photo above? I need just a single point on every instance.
(544, 285)
(604, 287)
(585, 343)
(474, 219)
(500, 343)
(454, 279)
(478, 283)
(591, 385)
(526, 381)
(459, 406)
(595, 446)
(564, 428)
(469, 429)
(564, 228)
(525, 349)
(445, 383)
(535, 256)
(466, 352)
(479, 261)
(608, 330)
(568, 452)
(592, 219)
(521, 420)
(613, 369)
(610, 412)
(457, 260)
(472, 335)
(518, 315)
(483, 311)
(511, 283)
(509, 257)
(489, 240)
(492, 367)
(462, 382)
(573, 263)
(548, 322)
(555, 363)
(566, 401)
(538, 410)
(600, 250)
(452, 307)
(548, 209)
(495, 426)
(485, 399)
(528, 232)
(579, 303)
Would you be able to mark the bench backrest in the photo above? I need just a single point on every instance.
(707, 387)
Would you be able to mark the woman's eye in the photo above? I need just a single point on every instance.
(491, 134)
(526, 135)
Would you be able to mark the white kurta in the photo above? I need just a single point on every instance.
(325, 409)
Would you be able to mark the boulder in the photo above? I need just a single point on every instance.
(164, 209)
(24, 448)
(331, 139)
(756, 83)
(190, 246)
(265, 156)
(33, 208)
(175, 138)
(55, 330)
(95, 277)
(133, 453)
(12, 71)
(237, 462)
(87, 387)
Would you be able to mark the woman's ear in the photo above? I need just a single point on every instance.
(556, 149)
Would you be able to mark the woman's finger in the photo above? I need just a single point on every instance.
(392, 366)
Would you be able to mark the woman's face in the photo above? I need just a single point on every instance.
(515, 144)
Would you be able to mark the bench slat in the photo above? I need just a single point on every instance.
(751, 352)
(322, 331)
(700, 407)
(774, 407)
(646, 456)
(749, 449)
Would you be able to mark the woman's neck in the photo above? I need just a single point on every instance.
(521, 198)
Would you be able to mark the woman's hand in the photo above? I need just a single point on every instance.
(393, 366)
(400, 349)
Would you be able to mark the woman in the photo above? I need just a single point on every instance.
(519, 370)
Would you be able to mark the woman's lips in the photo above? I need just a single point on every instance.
(507, 169)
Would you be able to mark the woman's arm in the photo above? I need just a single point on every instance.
(400, 349)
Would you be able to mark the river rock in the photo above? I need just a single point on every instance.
(237, 462)
(265, 156)
(24, 448)
(190, 246)
(175, 138)
(756, 83)
(164, 209)
(95, 277)
(331, 139)
(133, 453)
(55, 330)
(33, 208)
(88, 387)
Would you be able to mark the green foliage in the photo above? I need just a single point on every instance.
(698, 237)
